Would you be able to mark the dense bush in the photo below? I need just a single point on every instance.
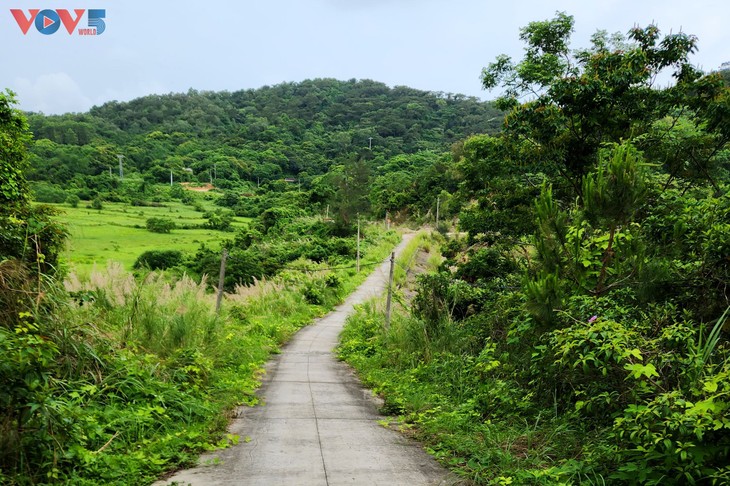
(576, 336)
(159, 259)
(49, 193)
(73, 200)
(159, 225)
(134, 377)
(218, 220)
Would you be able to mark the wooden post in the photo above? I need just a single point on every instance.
(390, 291)
(221, 280)
(358, 243)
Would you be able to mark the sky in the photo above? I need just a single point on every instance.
(156, 47)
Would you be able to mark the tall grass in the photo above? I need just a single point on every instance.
(113, 379)
(441, 391)
(423, 242)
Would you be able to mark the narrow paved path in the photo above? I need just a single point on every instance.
(317, 425)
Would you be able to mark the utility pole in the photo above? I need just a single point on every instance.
(358, 242)
(370, 143)
(221, 281)
(438, 204)
(121, 169)
(170, 177)
(390, 292)
(215, 172)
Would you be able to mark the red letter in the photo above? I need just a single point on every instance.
(24, 23)
(68, 22)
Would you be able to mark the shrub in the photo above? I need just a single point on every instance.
(159, 259)
(96, 204)
(486, 263)
(73, 200)
(48, 193)
(219, 220)
(160, 225)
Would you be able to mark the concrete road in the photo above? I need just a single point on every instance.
(317, 424)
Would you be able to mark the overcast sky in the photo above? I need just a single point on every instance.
(436, 45)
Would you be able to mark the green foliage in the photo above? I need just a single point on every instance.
(319, 291)
(14, 137)
(250, 138)
(159, 225)
(498, 197)
(687, 236)
(146, 387)
(276, 218)
(48, 193)
(159, 259)
(73, 200)
(591, 353)
(615, 191)
(27, 233)
(680, 432)
(605, 93)
(351, 194)
(219, 220)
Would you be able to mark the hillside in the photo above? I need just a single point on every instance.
(291, 129)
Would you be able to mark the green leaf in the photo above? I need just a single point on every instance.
(638, 370)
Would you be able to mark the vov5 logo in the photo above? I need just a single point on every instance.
(48, 21)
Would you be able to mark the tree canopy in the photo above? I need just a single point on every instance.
(577, 100)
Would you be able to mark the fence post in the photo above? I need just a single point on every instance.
(390, 291)
(358, 243)
(221, 280)
(438, 204)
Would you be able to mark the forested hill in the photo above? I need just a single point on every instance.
(291, 129)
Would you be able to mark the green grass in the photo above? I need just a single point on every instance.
(117, 233)
(143, 372)
(439, 392)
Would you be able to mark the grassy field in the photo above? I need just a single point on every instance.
(117, 233)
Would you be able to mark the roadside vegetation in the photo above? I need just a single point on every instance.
(121, 232)
(114, 377)
(577, 332)
(565, 323)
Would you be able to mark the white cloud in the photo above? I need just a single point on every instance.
(52, 93)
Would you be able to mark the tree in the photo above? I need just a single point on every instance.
(14, 138)
(159, 259)
(160, 225)
(351, 196)
(579, 100)
(26, 233)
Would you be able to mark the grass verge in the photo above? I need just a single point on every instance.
(136, 376)
(438, 390)
(118, 233)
